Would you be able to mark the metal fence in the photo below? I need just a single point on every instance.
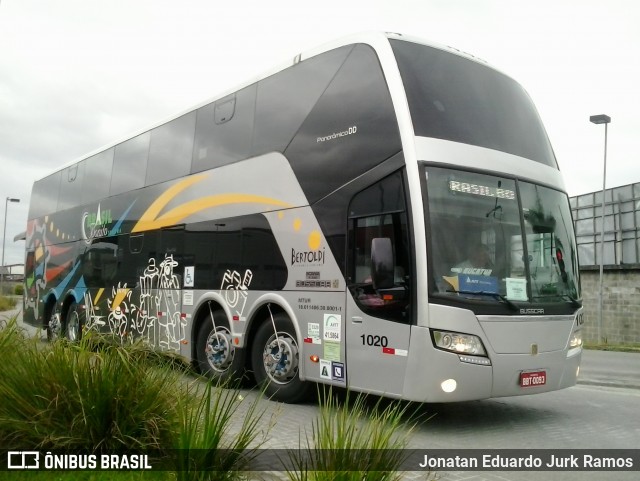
(621, 226)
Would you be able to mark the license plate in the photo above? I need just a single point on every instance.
(533, 379)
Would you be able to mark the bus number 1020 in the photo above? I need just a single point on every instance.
(371, 340)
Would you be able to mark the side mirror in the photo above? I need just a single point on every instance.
(382, 265)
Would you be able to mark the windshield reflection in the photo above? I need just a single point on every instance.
(550, 244)
(483, 249)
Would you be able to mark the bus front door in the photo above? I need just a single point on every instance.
(376, 351)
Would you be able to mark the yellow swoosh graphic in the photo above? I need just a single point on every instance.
(160, 203)
(152, 219)
(120, 296)
(98, 296)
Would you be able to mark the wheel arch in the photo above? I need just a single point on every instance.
(49, 305)
(70, 298)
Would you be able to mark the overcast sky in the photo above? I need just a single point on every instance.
(78, 74)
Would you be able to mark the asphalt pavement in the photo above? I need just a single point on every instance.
(610, 369)
(598, 368)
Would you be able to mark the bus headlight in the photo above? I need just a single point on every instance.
(459, 343)
(575, 343)
(576, 340)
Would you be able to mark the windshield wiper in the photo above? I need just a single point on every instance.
(574, 302)
(495, 295)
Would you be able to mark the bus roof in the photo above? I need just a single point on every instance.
(377, 40)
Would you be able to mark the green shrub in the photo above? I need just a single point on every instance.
(99, 396)
(68, 397)
(18, 290)
(10, 334)
(211, 443)
(369, 441)
(87, 476)
(6, 303)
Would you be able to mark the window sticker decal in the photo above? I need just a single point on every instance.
(337, 371)
(332, 327)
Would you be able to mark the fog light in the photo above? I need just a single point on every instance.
(449, 385)
(482, 361)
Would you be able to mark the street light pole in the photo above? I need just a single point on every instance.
(4, 236)
(602, 119)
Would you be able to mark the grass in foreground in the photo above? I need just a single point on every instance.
(86, 476)
(96, 397)
(206, 427)
(68, 397)
(369, 440)
(7, 303)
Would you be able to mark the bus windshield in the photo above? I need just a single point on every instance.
(502, 240)
(454, 98)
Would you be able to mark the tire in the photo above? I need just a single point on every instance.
(54, 325)
(276, 361)
(216, 356)
(74, 323)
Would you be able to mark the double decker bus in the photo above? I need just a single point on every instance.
(381, 213)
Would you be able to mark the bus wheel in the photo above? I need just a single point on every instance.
(74, 324)
(54, 326)
(275, 361)
(217, 357)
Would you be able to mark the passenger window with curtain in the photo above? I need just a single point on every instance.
(379, 250)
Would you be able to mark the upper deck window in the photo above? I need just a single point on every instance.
(170, 149)
(457, 99)
(130, 164)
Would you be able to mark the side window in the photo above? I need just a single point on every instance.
(44, 199)
(100, 263)
(261, 255)
(171, 259)
(71, 186)
(378, 222)
(224, 130)
(97, 174)
(171, 149)
(132, 260)
(130, 164)
(285, 99)
(351, 128)
(230, 253)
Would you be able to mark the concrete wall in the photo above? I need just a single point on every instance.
(621, 309)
